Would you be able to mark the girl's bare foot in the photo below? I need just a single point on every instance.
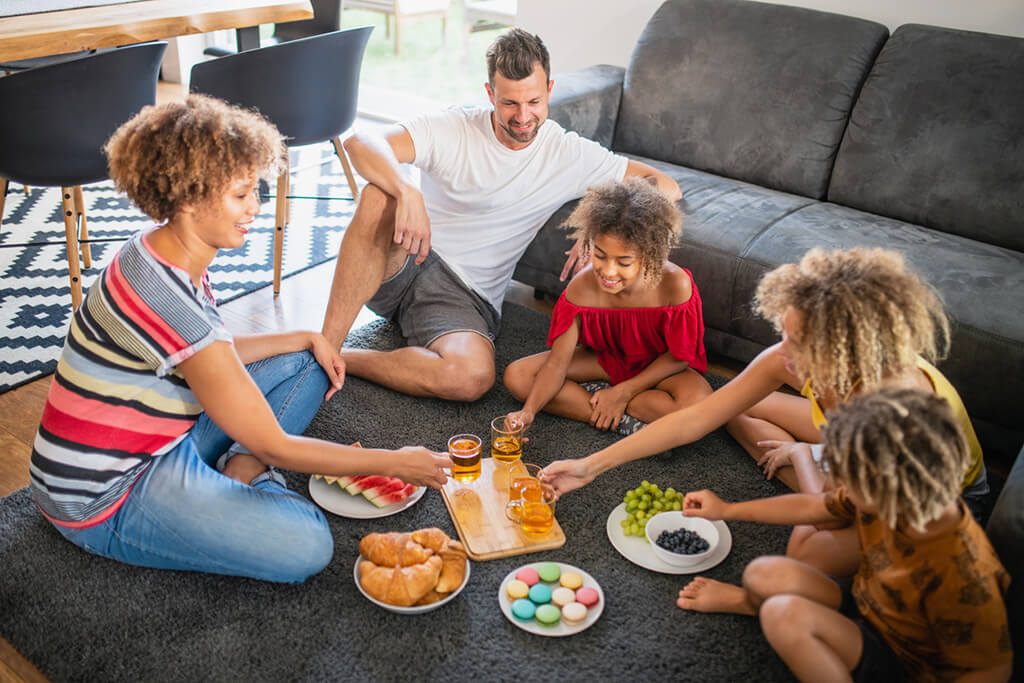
(708, 595)
(243, 467)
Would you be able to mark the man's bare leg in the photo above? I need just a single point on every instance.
(458, 366)
(367, 257)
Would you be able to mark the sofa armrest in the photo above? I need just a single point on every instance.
(587, 101)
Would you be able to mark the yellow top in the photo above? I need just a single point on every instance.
(943, 389)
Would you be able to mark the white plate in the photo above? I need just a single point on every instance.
(638, 551)
(561, 628)
(333, 498)
(417, 609)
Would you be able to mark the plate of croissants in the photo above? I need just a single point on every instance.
(411, 573)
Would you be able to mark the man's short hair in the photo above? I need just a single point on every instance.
(513, 54)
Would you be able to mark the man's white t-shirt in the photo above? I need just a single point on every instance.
(485, 201)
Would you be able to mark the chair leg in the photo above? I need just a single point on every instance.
(398, 37)
(26, 189)
(83, 234)
(3, 198)
(280, 221)
(71, 235)
(343, 157)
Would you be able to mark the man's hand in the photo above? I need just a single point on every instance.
(576, 259)
(330, 360)
(607, 407)
(412, 225)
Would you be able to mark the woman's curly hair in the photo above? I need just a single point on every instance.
(633, 211)
(181, 153)
(902, 450)
(865, 316)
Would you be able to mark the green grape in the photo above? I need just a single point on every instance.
(670, 492)
(645, 484)
(624, 523)
(644, 505)
(646, 498)
(634, 529)
(677, 506)
(658, 505)
(631, 505)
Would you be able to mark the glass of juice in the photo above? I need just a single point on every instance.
(464, 451)
(535, 517)
(523, 484)
(506, 440)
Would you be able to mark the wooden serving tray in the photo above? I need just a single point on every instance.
(478, 510)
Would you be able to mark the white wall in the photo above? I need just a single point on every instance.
(584, 32)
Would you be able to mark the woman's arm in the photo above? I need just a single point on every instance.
(225, 391)
(764, 375)
(791, 509)
(551, 376)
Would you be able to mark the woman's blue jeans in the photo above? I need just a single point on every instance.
(184, 514)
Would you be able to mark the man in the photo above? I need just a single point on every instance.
(438, 260)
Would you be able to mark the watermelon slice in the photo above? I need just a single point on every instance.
(392, 484)
(396, 496)
(344, 481)
(360, 484)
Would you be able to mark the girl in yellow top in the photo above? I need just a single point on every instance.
(851, 321)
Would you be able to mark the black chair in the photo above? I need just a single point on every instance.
(55, 120)
(308, 88)
(326, 18)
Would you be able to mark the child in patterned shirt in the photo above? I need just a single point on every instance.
(928, 594)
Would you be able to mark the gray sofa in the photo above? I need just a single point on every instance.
(789, 128)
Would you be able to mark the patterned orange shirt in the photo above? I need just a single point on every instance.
(938, 603)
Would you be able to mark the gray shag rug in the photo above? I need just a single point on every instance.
(81, 617)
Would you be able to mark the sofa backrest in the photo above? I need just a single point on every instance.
(937, 135)
(749, 90)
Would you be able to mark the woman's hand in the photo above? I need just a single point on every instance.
(704, 504)
(780, 454)
(423, 467)
(330, 360)
(567, 475)
(607, 407)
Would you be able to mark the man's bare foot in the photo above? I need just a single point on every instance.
(243, 467)
(708, 595)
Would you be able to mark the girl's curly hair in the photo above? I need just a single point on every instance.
(181, 153)
(633, 211)
(865, 316)
(902, 450)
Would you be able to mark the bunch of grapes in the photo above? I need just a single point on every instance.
(645, 501)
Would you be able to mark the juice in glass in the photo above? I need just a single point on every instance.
(506, 440)
(464, 451)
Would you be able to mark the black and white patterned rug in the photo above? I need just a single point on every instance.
(35, 298)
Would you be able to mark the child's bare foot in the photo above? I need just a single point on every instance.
(708, 595)
(243, 467)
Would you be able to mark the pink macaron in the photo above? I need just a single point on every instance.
(587, 596)
(528, 576)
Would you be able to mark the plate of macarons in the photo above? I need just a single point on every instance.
(551, 598)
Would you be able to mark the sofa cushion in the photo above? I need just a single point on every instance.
(937, 135)
(982, 286)
(1006, 532)
(747, 90)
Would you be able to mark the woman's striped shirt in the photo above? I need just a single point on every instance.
(117, 400)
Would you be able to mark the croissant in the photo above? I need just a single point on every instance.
(401, 586)
(393, 549)
(453, 567)
(432, 538)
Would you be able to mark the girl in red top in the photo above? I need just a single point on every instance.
(631, 318)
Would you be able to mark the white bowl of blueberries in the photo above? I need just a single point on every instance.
(681, 541)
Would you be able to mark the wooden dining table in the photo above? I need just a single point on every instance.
(40, 34)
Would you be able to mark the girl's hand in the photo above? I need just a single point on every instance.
(780, 454)
(330, 360)
(567, 475)
(607, 407)
(423, 467)
(522, 417)
(704, 504)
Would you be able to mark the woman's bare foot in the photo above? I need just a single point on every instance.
(243, 467)
(708, 595)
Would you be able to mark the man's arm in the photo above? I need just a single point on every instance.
(666, 185)
(379, 160)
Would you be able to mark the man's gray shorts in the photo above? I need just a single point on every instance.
(429, 300)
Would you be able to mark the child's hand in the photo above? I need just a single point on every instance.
(607, 407)
(780, 454)
(703, 504)
(522, 417)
